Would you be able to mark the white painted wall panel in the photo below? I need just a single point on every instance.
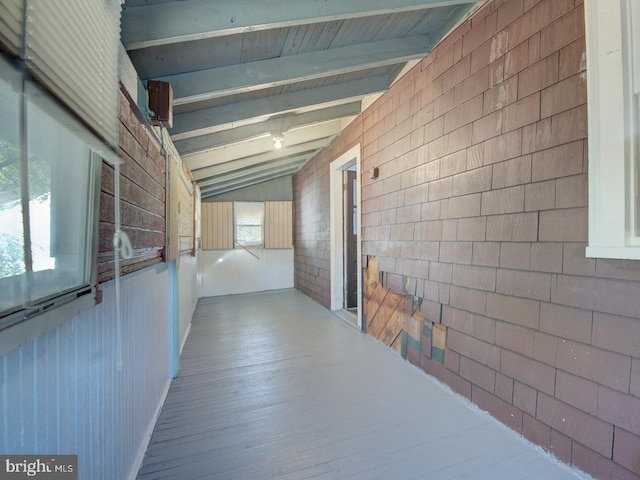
(188, 299)
(224, 272)
(91, 387)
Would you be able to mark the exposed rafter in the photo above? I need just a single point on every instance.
(146, 26)
(236, 164)
(261, 173)
(276, 123)
(242, 71)
(255, 169)
(246, 77)
(264, 144)
(216, 119)
(211, 194)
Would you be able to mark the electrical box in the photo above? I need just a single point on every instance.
(160, 103)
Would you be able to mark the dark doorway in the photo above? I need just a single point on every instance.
(350, 240)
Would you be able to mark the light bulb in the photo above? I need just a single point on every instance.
(278, 138)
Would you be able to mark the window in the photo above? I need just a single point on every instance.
(49, 187)
(613, 82)
(249, 223)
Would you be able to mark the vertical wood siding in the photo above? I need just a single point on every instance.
(90, 387)
(217, 225)
(181, 214)
(278, 224)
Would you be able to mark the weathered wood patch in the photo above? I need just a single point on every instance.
(395, 318)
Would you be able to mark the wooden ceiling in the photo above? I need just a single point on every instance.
(244, 70)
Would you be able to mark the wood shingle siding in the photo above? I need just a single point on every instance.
(481, 206)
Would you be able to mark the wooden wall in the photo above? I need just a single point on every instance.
(218, 224)
(278, 225)
(142, 193)
(311, 196)
(181, 210)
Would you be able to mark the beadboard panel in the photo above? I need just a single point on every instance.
(217, 225)
(92, 386)
(278, 225)
(225, 272)
(188, 298)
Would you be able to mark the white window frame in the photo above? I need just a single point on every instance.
(25, 322)
(256, 210)
(613, 84)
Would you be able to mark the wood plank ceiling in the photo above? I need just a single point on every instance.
(243, 71)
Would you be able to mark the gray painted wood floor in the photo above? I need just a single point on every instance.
(273, 386)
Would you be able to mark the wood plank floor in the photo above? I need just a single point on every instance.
(273, 386)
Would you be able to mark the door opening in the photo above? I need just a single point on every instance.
(346, 248)
(350, 240)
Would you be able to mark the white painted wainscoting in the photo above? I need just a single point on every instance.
(187, 295)
(225, 272)
(94, 386)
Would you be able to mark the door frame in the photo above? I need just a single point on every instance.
(336, 168)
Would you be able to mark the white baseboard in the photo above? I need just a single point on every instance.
(147, 436)
(186, 335)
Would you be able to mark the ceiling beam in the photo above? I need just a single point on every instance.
(238, 173)
(249, 182)
(174, 22)
(258, 172)
(269, 178)
(294, 139)
(247, 77)
(275, 124)
(216, 119)
(240, 163)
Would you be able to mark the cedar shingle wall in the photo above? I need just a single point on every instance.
(311, 218)
(480, 211)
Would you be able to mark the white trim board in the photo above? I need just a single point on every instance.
(137, 464)
(343, 162)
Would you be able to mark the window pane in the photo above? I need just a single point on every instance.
(11, 231)
(59, 175)
(48, 176)
(249, 218)
(249, 235)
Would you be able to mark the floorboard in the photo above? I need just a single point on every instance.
(273, 386)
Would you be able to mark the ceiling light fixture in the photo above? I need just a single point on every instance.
(278, 138)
